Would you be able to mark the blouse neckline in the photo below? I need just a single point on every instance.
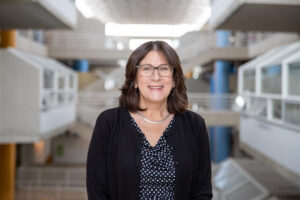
(140, 133)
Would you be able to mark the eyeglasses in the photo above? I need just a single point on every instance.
(148, 70)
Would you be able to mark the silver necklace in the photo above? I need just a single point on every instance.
(153, 122)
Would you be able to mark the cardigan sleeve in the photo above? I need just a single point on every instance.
(202, 190)
(96, 178)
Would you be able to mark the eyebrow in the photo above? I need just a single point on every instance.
(156, 65)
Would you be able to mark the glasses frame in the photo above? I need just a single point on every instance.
(157, 68)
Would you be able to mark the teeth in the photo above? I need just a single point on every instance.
(156, 87)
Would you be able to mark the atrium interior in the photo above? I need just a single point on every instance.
(62, 62)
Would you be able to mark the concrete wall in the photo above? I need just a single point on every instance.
(198, 85)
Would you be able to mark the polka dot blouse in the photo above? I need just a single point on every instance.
(157, 172)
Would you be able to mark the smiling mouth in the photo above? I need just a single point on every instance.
(155, 87)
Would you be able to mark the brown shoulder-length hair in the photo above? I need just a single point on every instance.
(177, 99)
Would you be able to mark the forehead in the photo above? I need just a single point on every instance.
(155, 58)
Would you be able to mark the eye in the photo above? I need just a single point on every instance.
(164, 68)
(146, 67)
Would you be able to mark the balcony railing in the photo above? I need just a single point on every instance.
(90, 104)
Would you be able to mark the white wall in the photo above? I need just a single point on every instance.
(56, 117)
(19, 85)
(280, 144)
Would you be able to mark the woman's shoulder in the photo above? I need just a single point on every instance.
(111, 114)
(192, 117)
(193, 122)
(110, 111)
(109, 118)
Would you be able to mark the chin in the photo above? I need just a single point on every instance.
(155, 100)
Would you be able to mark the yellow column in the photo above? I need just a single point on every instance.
(8, 38)
(7, 151)
(7, 171)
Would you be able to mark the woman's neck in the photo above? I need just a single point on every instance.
(155, 111)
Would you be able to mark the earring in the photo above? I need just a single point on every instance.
(173, 91)
(136, 89)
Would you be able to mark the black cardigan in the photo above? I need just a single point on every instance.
(114, 154)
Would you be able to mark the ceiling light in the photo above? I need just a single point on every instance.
(147, 30)
(120, 46)
(84, 8)
(109, 84)
(122, 63)
(203, 18)
(197, 70)
(240, 101)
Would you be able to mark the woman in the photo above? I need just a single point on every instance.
(150, 147)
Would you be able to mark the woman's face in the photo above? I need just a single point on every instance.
(154, 88)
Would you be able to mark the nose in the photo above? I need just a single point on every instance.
(156, 74)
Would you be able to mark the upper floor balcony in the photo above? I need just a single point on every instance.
(37, 14)
(254, 15)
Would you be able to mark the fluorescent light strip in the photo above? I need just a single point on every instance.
(84, 8)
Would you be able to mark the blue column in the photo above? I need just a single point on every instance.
(221, 135)
(81, 65)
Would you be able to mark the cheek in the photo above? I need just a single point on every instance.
(172, 83)
(141, 82)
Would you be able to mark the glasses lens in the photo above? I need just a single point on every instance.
(163, 70)
(146, 70)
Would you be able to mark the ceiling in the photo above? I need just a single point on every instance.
(254, 15)
(37, 14)
(147, 11)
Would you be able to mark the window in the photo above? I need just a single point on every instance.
(71, 81)
(61, 97)
(276, 109)
(249, 80)
(292, 113)
(48, 79)
(294, 79)
(271, 79)
(61, 82)
(48, 99)
(258, 107)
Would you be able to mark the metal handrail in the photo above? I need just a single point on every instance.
(90, 103)
(210, 101)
